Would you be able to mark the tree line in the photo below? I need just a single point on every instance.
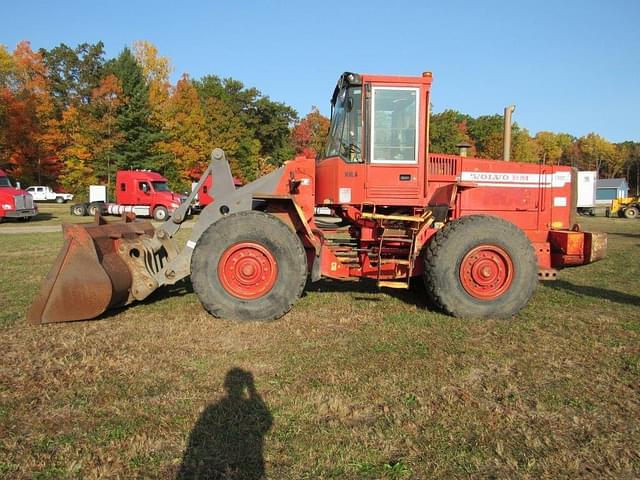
(70, 117)
(485, 135)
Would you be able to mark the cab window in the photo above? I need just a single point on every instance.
(345, 133)
(395, 125)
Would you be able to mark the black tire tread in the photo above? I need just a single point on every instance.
(166, 213)
(81, 208)
(631, 212)
(299, 279)
(435, 291)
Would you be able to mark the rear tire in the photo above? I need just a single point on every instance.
(248, 266)
(631, 212)
(480, 266)
(59, 200)
(160, 213)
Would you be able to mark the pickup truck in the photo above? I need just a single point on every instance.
(46, 194)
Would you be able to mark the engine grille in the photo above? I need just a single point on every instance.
(23, 202)
(443, 165)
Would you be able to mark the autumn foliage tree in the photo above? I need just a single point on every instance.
(31, 138)
(186, 141)
(156, 70)
(447, 130)
(91, 134)
(309, 136)
(70, 117)
(601, 155)
(255, 128)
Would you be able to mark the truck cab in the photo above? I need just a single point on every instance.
(144, 188)
(14, 202)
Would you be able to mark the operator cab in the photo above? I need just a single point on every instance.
(376, 146)
(345, 133)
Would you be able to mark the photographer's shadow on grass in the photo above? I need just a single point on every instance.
(227, 440)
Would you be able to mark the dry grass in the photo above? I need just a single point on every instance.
(48, 214)
(355, 383)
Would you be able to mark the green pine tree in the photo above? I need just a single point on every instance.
(138, 149)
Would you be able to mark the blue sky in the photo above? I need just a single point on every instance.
(569, 66)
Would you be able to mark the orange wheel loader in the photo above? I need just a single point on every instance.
(479, 233)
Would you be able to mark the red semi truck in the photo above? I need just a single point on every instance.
(15, 202)
(142, 192)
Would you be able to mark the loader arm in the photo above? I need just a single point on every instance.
(224, 186)
(226, 200)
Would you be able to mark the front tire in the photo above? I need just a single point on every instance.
(480, 266)
(160, 213)
(631, 212)
(248, 266)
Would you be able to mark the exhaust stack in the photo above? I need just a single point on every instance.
(508, 111)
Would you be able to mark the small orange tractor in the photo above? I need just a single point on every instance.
(478, 232)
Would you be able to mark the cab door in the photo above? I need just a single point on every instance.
(143, 193)
(394, 156)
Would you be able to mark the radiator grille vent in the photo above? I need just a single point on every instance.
(23, 201)
(443, 165)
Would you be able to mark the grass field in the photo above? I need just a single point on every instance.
(52, 215)
(49, 214)
(353, 383)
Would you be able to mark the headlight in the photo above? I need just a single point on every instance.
(7, 206)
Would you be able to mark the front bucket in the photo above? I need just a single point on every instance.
(88, 276)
